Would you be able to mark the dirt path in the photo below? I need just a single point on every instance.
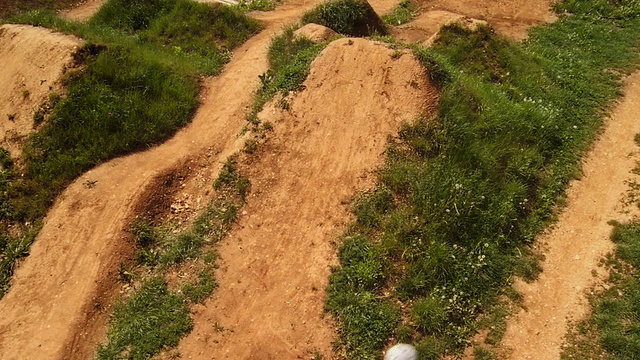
(276, 263)
(83, 11)
(511, 18)
(51, 311)
(575, 245)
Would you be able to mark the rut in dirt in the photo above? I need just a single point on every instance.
(580, 238)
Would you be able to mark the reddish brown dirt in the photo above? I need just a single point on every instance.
(511, 18)
(579, 240)
(276, 263)
(33, 62)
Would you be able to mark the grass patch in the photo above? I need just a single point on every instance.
(347, 17)
(402, 14)
(138, 85)
(156, 315)
(613, 329)
(464, 194)
(9, 8)
(256, 5)
(145, 323)
(289, 62)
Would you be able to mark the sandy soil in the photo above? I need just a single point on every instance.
(575, 245)
(276, 264)
(83, 11)
(33, 62)
(511, 18)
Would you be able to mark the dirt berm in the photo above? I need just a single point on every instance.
(276, 263)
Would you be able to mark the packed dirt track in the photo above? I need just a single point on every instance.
(275, 263)
(33, 63)
(580, 239)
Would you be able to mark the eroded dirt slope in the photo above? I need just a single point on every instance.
(276, 263)
(579, 240)
(33, 61)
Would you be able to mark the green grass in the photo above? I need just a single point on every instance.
(402, 14)
(9, 8)
(463, 194)
(148, 321)
(613, 329)
(155, 316)
(138, 84)
(347, 17)
(289, 62)
(257, 5)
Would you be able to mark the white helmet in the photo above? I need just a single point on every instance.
(401, 352)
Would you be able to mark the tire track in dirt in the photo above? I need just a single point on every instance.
(275, 264)
(580, 238)
(54, 291)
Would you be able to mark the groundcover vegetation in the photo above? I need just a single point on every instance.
(464, 193)
(137, 85)
(613, 329)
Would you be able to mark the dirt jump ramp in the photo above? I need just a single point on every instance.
(276, 263)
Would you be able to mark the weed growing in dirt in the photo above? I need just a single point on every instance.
(613, 329)
(289, 61)
(259, 5)
(347, 17)
(464, 193)
(138, 85)
(402, 14)
(157, 314)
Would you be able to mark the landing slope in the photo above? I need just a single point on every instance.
(276, 263)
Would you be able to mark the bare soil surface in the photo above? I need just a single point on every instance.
(276, 262)
(574, 247)
(33, 63)
(510, 18)
(83, 11)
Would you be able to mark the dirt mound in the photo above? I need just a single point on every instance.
(276, 263)
(314, 32)
(574, 247)
(33, 62)
(511, 18)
